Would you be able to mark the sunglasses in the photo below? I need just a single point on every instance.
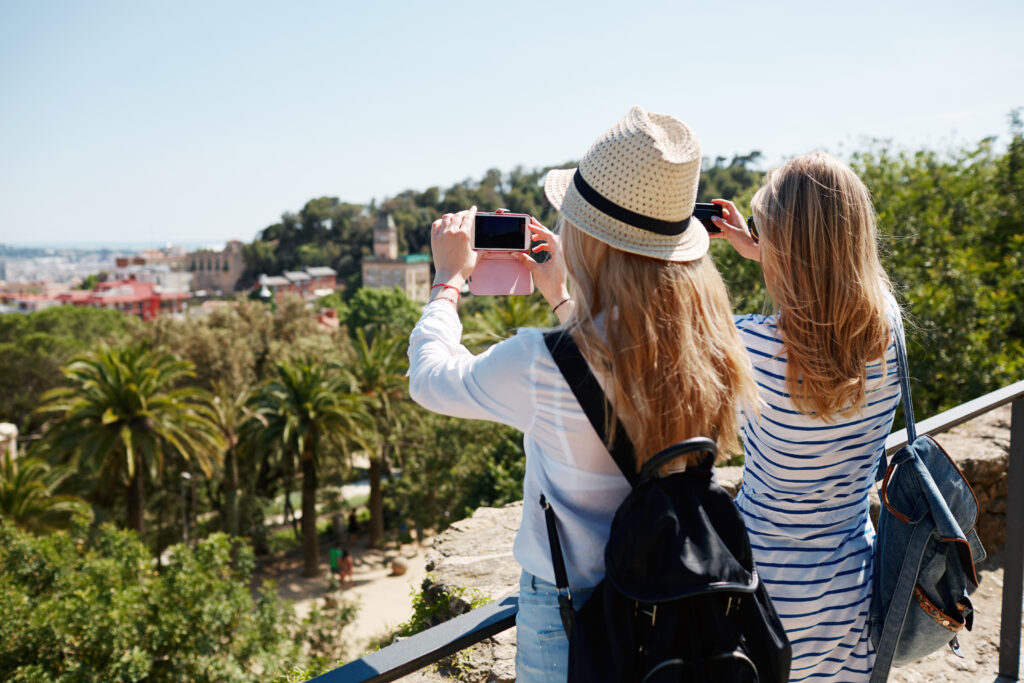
(752, 227)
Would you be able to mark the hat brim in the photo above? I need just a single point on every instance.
(689, 245)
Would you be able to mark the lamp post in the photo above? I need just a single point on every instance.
(186, 479)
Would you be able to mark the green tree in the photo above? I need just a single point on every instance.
(453, 466)
(230, 412)
(953, 234)
(493, 318)
(381, 310)
(34, 347)
(122, 413)
(78, 609)
(307, 413)
(378, 370)
(29, 496)
(89, 282)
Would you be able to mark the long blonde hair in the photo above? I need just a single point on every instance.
(820, 259)
(676, 364)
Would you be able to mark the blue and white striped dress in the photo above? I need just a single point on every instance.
(805, 501)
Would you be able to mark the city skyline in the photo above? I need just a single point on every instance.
(198, 123)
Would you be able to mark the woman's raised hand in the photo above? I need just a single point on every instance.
(549, 277)
(452, 248)
(734, 229)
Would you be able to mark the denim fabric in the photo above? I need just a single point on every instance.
(934, 550)
(542, 650)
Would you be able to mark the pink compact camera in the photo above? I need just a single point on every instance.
(497, 237)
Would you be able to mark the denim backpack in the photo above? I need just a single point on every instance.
(925, 550)
(681, 599)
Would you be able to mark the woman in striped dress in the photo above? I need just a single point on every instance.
(825, 365)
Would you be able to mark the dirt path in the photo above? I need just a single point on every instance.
(384, 599)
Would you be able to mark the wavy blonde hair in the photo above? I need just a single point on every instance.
(820, 260)
(676, 364)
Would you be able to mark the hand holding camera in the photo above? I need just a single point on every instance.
(500, 239)
(492, 252)
(452, 249)
(731, 226)
(550, 275)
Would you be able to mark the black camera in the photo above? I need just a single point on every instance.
(703, 212)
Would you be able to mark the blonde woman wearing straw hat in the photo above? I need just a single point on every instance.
(650, 314)
(825, 366)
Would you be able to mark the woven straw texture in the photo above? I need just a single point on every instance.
(646, 163)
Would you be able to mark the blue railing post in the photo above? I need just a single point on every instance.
(1013, 566)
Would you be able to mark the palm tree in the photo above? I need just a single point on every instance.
(123, 411)
(378, 371)
(29, 498)
(501, 316)
(231, 415)
(308, 412)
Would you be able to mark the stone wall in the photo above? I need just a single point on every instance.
(476, 553)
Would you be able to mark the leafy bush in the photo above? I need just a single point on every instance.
(953, 231)
(450, 467)
(74, 610)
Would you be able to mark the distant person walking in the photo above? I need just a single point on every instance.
(825, 366)
(353, 528)
(334, 555)
(346, 569)
(649, 313)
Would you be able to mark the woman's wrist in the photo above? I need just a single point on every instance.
(564, 308)
(448, 278)
(561, 296)
(446, 292)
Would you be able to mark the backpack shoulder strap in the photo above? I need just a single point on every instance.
(903, 367)
(591, 398)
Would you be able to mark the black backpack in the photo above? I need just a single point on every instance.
(681, 600)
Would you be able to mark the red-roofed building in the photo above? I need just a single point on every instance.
(142, 299)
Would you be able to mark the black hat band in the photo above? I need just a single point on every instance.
(619, 213)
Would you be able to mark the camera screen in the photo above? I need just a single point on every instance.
(500, 232)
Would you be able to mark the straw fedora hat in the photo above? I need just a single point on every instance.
(635, 188)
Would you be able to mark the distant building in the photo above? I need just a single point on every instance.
(171, 256)
(216, 271)
(26, 303)
(311, 283)
(325, 280)
(142, 299)
(300, 282)
(64, 268)
(386, 269)
(28, 297)
(163, 267)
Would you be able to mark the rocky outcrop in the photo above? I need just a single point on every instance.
(476, 553)
(981, 448)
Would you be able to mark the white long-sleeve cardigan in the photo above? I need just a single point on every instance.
(516, 382)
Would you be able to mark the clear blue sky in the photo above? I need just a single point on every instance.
(139, 120)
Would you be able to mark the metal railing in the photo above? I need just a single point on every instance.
(434, 644)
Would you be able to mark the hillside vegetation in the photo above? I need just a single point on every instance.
(265, 412)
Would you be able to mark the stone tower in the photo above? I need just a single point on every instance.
(385, 238)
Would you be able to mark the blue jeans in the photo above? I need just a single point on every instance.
(542, 650)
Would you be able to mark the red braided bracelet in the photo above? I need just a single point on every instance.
(458, 294)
